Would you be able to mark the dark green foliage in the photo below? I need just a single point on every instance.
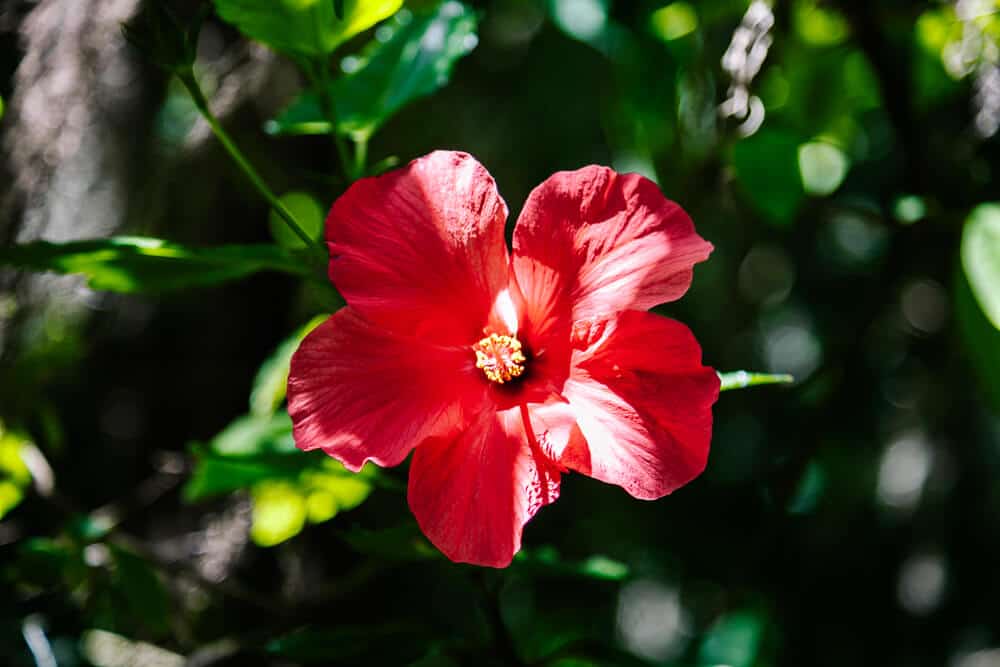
(146, 265)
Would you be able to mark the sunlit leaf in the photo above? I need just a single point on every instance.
(279, 512)
(251, 449)
(981, 258)
(818, 25)
(674, 21)
(14, 473)
(744, 379)
(306, 210)
(767, 166)
(140, 264)
(253, 436)
(11, 495)
(331, 488)
(414, 61)
(270, 384)
(304, 27)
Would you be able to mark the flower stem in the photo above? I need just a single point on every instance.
(360, 157)
(321, 79)
(191, 83)
(744, 379)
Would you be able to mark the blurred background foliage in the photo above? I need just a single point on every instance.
(841, 157)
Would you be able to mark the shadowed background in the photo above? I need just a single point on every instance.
(834, 154)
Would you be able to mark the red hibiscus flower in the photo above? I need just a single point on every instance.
(502, 371)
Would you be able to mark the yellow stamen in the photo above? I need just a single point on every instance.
(499, 357)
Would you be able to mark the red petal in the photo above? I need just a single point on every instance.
(644, 404)
(590, 243)
(473, 493)
(361, 393)
(421, 250)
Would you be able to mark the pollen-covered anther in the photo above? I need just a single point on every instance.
(499, 357)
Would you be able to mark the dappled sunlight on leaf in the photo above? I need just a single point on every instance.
(140, 264)
(414, 59)
(304, 27)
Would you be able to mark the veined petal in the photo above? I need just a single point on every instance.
(421, 250)
(360, 393)
(592, 242)
(473, 493)
(644, 404)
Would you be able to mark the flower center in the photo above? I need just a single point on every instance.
(499, 357)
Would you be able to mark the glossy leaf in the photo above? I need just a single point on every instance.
(307, 211)
(304, 27)
(981, 258)
(142, 264)
(416, 60)
(270, 384)
(249, 450)
(288, 487)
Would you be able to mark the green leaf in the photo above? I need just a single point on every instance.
(308, 28)
(289, 487)
(249, 450)
(981, 258)
(141, 264)
(279, 512)
(767, 166)
(46, 563)
(546, 560)
(14, 473)
(282, 507)
(981, 338)
(415, 61)
(270, 384)
(306, 210)
(143, 592)
(744, 379)
(332, 488)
